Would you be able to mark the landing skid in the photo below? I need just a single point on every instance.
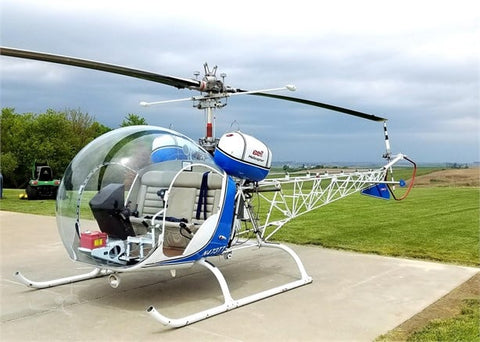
(97, 272)
(229, 302)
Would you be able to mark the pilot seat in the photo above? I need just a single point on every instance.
(110, 212)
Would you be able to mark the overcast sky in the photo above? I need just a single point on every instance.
(413, 62)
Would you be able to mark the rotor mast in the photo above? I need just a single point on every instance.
(209, 142)
(215, 92)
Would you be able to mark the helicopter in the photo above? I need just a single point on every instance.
(144, 197)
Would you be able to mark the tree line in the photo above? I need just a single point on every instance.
(54, 137)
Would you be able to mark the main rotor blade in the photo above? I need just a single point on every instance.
(116, 69)
(323, 105)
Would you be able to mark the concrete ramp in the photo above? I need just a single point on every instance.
(354, 297)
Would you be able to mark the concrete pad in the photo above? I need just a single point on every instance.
(354, 297)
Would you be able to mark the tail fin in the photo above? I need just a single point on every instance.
(379, 190)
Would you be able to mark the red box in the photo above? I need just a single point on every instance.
(92, 240)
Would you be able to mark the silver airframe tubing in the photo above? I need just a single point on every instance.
(95, 273)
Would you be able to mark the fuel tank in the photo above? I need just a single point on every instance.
(243, 156)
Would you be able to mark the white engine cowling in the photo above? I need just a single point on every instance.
(243, 156)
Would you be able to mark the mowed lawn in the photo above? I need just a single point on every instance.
(435, 223)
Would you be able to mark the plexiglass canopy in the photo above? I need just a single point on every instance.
(119, 157)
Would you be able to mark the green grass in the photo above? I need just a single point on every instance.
(11, 202)
(463, 327)
(439, 224)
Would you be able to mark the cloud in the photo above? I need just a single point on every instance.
(415, 63)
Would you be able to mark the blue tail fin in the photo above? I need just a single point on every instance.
(378, 190)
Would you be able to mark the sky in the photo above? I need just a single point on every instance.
(413, 62)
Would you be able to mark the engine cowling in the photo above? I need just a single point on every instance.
(243, 156)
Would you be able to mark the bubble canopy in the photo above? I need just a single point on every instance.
(118, 157)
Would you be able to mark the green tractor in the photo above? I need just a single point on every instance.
(42, 185)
